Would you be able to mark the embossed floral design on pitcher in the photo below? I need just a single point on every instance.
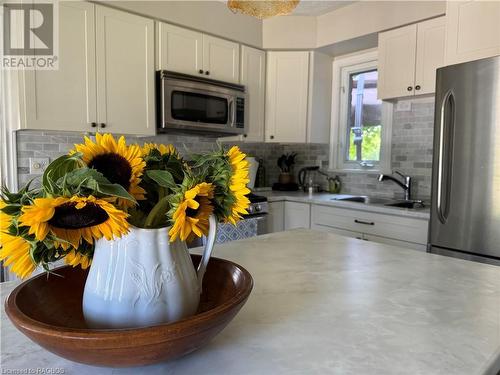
(143, 279)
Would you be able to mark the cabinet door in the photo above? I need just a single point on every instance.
(125, 72)
(286, 96)
(253, 76)
(396, 62)
(297, 215)
(221, 59)
(276, 217)
(65, 99)
(179, 50)
(430, 54)
(472, 30)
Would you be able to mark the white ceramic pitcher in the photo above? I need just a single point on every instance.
(142, 279)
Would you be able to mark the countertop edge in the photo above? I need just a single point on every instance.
(320, 200)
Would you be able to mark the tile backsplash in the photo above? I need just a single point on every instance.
(412, 133)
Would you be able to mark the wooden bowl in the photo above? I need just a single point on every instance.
(49, 312)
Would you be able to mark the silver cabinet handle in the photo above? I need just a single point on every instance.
(364, 222)
(443, 176)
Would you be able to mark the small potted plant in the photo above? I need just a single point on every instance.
(286, 163)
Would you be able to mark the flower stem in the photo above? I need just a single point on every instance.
(157, 213)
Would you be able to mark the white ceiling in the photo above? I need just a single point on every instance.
(317, 8)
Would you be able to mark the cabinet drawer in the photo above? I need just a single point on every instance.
(388, 226)
(341, 232)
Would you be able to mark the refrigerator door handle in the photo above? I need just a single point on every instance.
(445, 150)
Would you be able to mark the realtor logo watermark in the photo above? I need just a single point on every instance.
(30, 35)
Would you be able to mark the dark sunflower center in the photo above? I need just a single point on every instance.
(191, 212)
(67, 216)
(114, 167)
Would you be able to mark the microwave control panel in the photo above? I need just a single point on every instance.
(240, 113)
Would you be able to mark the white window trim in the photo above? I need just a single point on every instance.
(338, 127)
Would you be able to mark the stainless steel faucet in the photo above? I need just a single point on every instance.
(406, 185)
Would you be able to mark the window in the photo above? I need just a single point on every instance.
(361, 123)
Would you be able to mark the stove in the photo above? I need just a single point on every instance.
(258, 206)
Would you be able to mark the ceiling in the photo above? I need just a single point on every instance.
(317, 8)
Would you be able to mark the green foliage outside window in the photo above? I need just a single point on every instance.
(370, 147)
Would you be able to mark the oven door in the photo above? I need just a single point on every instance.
(198, 109)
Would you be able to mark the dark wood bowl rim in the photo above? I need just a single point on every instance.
(181, 328)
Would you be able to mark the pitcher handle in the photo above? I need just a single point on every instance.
(207, 252)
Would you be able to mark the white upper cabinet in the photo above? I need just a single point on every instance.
(409, 57)
(65, 99)
(190, 52)
(105, 80)
(472, 30)
(396, 65)
(125, 72)
(298, 97)
(430, 54)
(221, 59)
(253, 76)
(287, 96)
(179, 50)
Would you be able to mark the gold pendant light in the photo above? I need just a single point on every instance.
(263, 8)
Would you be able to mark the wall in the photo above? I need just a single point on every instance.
(291, 32)
(412, 133)
(212, 17)
(337, 27)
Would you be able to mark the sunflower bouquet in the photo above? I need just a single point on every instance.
(104, 186)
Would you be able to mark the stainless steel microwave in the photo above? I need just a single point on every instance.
(195, 104)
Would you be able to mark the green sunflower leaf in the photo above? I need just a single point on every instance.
(58, 168)
(89, 178)
(162, 178)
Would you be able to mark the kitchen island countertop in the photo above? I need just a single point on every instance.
(329, 304)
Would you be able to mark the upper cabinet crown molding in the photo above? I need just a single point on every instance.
(409, 57)
(190, 52)
(472, 30)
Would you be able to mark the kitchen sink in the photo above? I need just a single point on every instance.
(363, 199)
(407, 204)
(381, 201)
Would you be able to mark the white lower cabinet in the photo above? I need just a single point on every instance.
(276, 217)
(384, 228)
(297, 215)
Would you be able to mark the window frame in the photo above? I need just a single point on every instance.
(343, 67)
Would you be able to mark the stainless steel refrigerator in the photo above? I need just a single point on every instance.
(465, 209)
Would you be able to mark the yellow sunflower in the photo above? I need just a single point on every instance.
(191, 214)
(73, 219)
(119, 163)
(238, 184)
(163, 149)
(74, 258)
(14, 250)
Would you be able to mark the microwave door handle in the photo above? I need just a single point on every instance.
(163, 96)
(231, 114)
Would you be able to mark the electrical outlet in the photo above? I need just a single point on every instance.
(403, 105)
(38, 165)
